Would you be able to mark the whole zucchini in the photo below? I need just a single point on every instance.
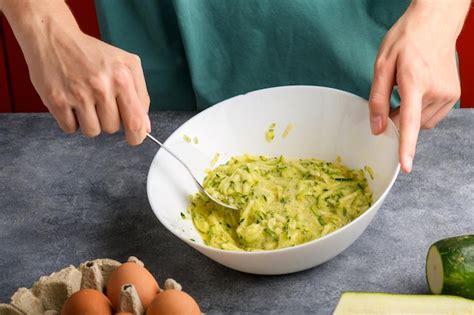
(450, 266)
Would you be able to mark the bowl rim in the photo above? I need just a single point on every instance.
(278, 250)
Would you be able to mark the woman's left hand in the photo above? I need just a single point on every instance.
(418, 55)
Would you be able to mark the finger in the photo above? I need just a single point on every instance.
(140, 87)
(428, 111)
(410, 116)
(66, 120)
(105, 104)
(426, 114)
(109, 116)
(380, 93)
(133, 117)
(439, 115)
(88, 120)
(131, 110)
(139, 82)
(395, 117)
(148, 124)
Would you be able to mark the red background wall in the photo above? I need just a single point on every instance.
(5, 103)
(465, 47)
(18, 95)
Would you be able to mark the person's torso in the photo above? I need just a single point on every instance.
(197, 53)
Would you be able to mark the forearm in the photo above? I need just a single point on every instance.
(34, 22)
(452, 13)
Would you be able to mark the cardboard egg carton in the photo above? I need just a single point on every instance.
(49, 293)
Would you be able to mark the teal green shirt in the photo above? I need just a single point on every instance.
(196, 53)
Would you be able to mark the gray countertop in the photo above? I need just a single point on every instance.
(67, 199)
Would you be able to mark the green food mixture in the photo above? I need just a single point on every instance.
(270, 133)
(287, 130)
(283, 202)
(215, 158)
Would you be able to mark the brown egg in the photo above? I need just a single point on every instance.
(132, 273)
(87, 302)
(173, 302)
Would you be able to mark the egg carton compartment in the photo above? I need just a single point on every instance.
(49, 294)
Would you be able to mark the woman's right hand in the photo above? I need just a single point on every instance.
(84, 82)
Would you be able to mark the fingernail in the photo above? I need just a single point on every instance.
(148, 124)
(376, 124)
(408, 164)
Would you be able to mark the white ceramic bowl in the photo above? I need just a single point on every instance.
(327, 123)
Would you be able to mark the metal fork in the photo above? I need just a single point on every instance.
(198, 184)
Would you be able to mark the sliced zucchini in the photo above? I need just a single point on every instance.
(366, 303)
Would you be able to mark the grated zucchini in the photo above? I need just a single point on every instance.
(283, 202)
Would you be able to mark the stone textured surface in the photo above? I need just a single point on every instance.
(67, 199)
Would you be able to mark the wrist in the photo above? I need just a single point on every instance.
(448, 13)
(462, 5)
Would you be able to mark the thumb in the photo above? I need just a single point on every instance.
(379, 100)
